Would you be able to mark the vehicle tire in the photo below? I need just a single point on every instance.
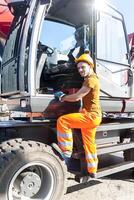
(30, 170)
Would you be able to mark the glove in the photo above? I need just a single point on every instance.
(59, 95)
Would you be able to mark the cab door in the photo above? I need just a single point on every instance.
(113, 62)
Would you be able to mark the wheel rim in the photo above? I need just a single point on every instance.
(35, 180)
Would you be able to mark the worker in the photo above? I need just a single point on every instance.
(87, 119)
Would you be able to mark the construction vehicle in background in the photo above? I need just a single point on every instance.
(38, 60)
(5, 22)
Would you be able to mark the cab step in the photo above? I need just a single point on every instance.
(115, 148)
(107, 149)
(105, 171)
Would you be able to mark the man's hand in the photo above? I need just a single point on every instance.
(59, 95)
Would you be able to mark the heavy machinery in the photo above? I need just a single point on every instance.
(38, 60)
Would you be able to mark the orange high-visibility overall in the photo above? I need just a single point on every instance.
(87, 120)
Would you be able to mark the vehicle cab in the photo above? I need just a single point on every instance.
(45, 38)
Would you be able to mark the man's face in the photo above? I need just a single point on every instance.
(84, 69)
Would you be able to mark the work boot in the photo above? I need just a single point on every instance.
(92, 175)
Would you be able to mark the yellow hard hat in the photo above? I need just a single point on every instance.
(85, 58)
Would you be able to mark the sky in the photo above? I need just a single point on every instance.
(126, 7)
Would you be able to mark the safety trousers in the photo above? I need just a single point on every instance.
(87, 123)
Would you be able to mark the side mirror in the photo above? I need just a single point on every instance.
(130, 77)
(132, 52)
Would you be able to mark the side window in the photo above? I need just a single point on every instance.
(12, 42)
(111, 43)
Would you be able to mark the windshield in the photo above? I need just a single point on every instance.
(59, 44)
(67, 37)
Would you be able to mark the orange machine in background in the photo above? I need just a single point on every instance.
(5, 22)
(5, 19)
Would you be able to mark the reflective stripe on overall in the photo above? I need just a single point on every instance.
(87, 124)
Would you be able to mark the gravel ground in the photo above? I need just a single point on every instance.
(119, 186)
(108, 188)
